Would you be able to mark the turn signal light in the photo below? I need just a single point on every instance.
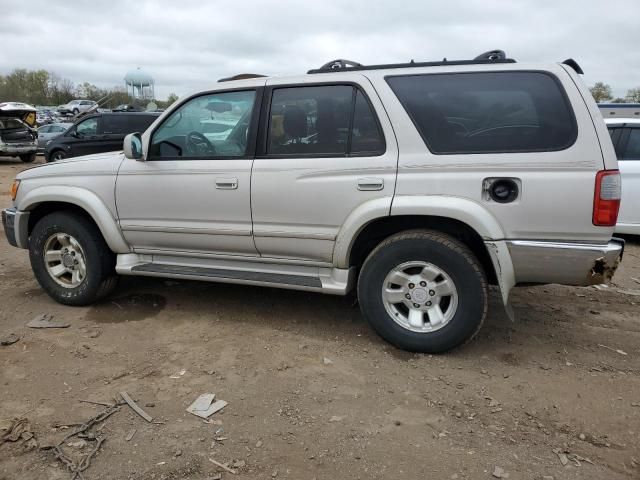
(14, 189)
(606, 198)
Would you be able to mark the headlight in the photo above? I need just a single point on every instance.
(14, 189)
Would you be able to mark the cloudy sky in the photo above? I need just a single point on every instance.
(188, 44)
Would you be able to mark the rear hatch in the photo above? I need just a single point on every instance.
(17, 122)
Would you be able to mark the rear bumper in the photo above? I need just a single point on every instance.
(18, 149)
(16, 227)
(565, 263)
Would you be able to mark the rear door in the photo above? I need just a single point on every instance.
(326, 147)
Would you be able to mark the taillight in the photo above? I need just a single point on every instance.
(606, 198)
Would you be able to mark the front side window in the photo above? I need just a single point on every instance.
(327, 120)
(632, 152)
(487, 112)
(209, 126)
(88, 127)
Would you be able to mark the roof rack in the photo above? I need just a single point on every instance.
(341, 65)
(241, 76)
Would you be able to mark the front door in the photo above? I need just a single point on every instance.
(88, 137)
(192, 194)
(325, 151)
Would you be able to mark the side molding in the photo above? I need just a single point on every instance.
(84, 199)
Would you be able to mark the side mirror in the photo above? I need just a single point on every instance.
(133, 146)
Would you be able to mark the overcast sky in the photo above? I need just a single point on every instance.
(187, 45)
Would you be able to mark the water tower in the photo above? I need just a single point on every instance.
(140, 85)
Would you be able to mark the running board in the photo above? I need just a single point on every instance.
(318, 279)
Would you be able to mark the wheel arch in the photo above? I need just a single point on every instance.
(40, 202)
(461, 218)
(381, 228)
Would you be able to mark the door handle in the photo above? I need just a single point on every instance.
(226, 183)
(370, 184)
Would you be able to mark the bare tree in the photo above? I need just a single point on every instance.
(601, 92)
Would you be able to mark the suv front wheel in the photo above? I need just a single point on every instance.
(70, 259)
(423, 291)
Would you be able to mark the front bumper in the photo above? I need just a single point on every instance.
(565, 263)
(16, 227)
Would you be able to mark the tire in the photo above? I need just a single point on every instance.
(28, 158)
(76, 111)
(66, 229)
(57, 155)
(453, 281)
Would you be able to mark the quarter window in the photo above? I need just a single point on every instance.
(488, 112)
(209, 126)
(327, 120)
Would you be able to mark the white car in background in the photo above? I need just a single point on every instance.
(76, 106)
(625, 134)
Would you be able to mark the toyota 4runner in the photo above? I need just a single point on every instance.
(415, 184)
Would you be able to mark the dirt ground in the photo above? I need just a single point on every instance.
(312, 391)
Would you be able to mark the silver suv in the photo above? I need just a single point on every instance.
(417, 185)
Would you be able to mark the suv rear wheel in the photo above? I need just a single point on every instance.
(70, 259)
(28, 157)
(423, 291)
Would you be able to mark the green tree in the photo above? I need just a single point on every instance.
(601, 92)
(618, 100)
(171, 98)
(633, 95)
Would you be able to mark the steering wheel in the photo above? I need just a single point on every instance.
(197, 145)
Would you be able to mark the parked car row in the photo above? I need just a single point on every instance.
(96, 133)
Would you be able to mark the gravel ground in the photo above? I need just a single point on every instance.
(312, 391)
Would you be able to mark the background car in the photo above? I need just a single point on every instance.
(625, 134)
(97, 133)
(76, 106)
(128, 107)
(47, 133)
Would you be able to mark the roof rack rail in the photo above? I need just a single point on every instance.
(341, 65)
(241, 76)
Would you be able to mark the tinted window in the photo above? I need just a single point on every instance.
(322, 120)
(112, 124)
(366, 136)
(88, 126)
(46, 129)
(632, 152)
(139, 123)
(209, 126)
(57, 129)
(487, 112)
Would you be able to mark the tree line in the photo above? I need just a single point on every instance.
(602, 92)
(40, 87)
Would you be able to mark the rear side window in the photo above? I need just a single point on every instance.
(489, 112)
(322, 120)
(632, 152)
(124, 124)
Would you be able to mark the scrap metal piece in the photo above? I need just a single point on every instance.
(125, 396)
